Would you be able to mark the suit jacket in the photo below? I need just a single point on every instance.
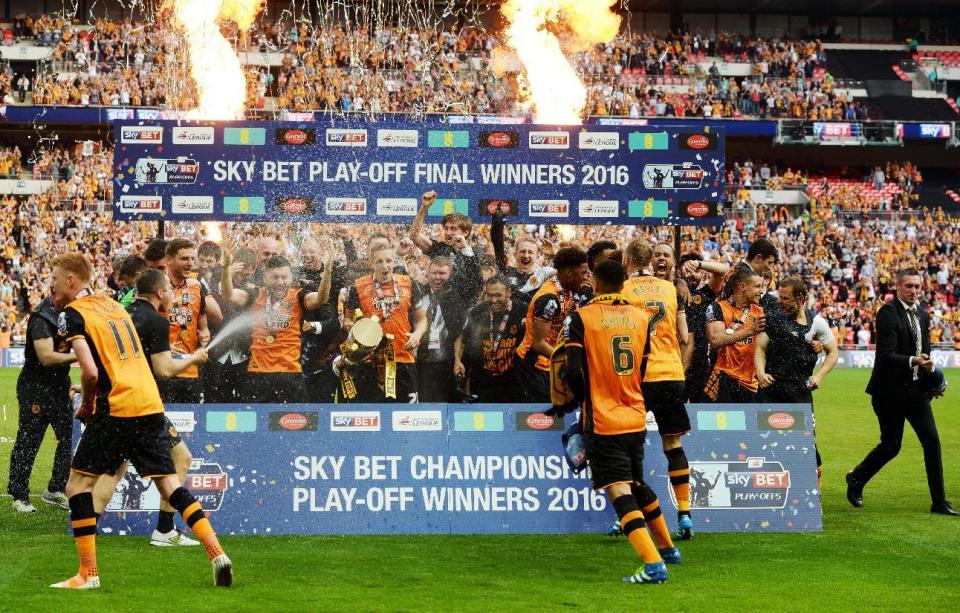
(896, 344)
(453, 305)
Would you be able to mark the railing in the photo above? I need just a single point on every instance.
(766, 186)
(848, 217)
(849, 84)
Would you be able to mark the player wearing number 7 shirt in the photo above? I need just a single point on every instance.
(663, 385)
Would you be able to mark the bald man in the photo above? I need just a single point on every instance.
(267, 247)
(321, 326)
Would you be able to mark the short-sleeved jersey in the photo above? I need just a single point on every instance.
(551, 304)
(659, 299)
(613, 335)
(35, 377)
(152, 328)
(393, 303)
(736, 360)
(490, 342)
(125, 386)
(276, 332)
(186, 309)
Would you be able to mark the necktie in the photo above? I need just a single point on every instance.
(915, 326)
(431, 315)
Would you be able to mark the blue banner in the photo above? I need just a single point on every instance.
(12, 357)
(465, 469)
(376, 172)
(924, 131)
(108, 115)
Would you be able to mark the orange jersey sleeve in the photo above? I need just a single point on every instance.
(186, 308)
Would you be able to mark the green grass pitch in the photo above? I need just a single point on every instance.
(890, 555)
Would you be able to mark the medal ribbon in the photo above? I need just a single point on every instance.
(385, 311)
(495, 341)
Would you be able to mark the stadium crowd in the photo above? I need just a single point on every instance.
(849, 263)
(431, 69)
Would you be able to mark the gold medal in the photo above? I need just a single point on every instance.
(185, 334)
(270, 339)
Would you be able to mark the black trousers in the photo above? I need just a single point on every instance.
(223, 383)
(730, 391)
(533, 384)
(281, 388)
(367, 382)
(36, 413)
(321, 385)
(435, 381)
(892, 412)
(501, 390)
(180, 390)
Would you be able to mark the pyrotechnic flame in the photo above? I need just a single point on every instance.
(212, 230)
(214, 65)
(549, 84)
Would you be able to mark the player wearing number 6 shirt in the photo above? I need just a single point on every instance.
(606, 352)
(663, 391)
(124, 415)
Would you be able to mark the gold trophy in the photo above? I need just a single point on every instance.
(365, 344)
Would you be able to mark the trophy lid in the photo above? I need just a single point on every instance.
(367, 332)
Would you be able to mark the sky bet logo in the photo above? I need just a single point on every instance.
(346, 206)
(144, 135)
(549, 208)
(355, 421)
(548, 140)
(140, 204)
(339, 137)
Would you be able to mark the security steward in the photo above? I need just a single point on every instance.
(43, 389)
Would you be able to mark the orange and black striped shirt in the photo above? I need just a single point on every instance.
(275, 344)
(393, 303)
(186, 309)
(551, 304)
(736, 360)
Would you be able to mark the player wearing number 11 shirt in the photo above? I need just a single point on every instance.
(663, 389)
(124, 415)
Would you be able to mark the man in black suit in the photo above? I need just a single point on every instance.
(446, 304)
(898, 390)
